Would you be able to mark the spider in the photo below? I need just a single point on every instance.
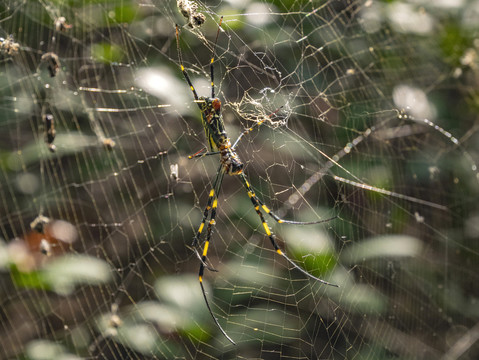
(220, 144)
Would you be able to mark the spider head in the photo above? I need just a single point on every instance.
(210, 105)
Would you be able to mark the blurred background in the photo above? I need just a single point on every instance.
(370, 118)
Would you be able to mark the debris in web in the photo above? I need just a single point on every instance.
(189, 10)
(53, 63)
(50, 131)
(109, 144)
(9, 46)
(61, 24)
(38, 224)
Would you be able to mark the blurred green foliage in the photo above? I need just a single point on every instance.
(323, 74)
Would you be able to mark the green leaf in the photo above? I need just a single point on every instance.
(311, 247)
(30, 280)
(66, 272)
(380, 247)
(106, 53)
(47, 350)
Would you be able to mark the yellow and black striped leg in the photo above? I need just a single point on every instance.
(206, 212)
(273, 215)
(202, 268)
(210, 206)
(212, 196)
(182, 67)
(283, 221)
(271, 236)
(211, 202)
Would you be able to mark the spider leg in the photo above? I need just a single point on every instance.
(212, 205)
(214, 318)
(203, 262)
(203, 288)
(284, 221)
(257, 202)
(211, 198)
(212, 73)
(182, 67)
(202, 152)
(246, 131)
(200, 275)
(270, 234)
(199, 153)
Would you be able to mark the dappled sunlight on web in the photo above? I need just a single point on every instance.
(339, 111)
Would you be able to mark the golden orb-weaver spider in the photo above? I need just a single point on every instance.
(230, 163)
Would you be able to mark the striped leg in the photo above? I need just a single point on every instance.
(212, 205)
(263, 206)
(257, 202)
(283, 221)
(182, 67)
(211, 224)
(248, 186)
(211, 198)
(272, 237)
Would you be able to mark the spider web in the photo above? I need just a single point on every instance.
(369, 112)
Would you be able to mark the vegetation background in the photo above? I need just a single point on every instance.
(371, 110)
